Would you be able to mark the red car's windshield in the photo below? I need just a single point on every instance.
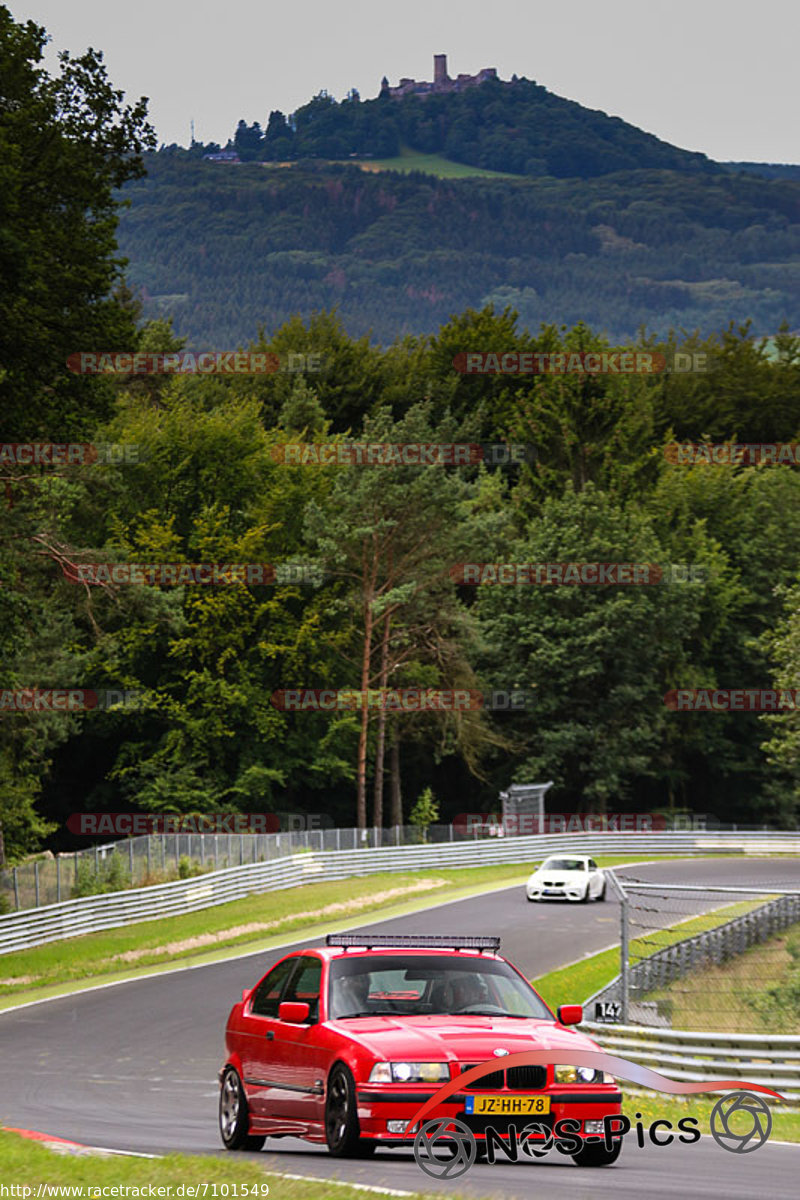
(417, 985)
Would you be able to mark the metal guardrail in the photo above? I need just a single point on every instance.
(22, 930)
(771, 1060)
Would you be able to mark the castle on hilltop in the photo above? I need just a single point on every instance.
(442, 83)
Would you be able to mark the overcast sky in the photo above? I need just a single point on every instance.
(720, 76)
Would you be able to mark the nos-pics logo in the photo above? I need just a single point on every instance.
(445, 1147)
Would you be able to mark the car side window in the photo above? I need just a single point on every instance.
(305, 984)
(268, 994)
(593, 865)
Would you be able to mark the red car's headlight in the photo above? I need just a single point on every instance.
(410, 1072)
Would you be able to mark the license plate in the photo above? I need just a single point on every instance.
(506, 1106)
(551, 891)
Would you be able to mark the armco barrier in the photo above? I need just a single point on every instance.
(772, 1060)
(70, 918)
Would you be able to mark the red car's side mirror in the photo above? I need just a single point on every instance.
(293, 1012)
(245, 994)
(570, 1014)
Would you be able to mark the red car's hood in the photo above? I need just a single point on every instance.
(460, 1039)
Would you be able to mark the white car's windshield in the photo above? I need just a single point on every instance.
(417, 985)
(563, 864)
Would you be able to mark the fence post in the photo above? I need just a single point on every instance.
(624, 965)
(58, 879)
(130, 859)
(96, 861)
(16, 889)
(149, 857)
(164, 853)
(36, 880)
(338, 838)
(202, 849)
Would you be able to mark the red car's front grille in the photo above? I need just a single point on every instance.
(493, 1082)
(516, 1079)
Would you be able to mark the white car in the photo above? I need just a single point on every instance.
(567, 876)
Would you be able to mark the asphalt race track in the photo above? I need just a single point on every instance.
(133, 1066)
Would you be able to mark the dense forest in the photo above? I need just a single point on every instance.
(225, 249)
(209, 482)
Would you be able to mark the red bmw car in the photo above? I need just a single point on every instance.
(343, 1044)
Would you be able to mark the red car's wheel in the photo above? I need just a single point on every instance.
(234, 1120)
(342, 1131)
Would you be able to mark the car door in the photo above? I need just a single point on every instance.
(264, 1073)
(297, 1046)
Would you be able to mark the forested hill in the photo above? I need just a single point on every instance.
(227, 248)
(515, 126)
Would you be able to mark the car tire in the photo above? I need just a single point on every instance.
(585, 897)
(234, 1115)
(531, 899)
(602, 895)
(597, 1156)
(342, 1131)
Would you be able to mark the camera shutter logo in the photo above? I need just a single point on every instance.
(760, 1122)
(445, 1148)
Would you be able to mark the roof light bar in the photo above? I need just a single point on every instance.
(422, 940)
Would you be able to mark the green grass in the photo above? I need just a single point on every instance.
(575, 983)
(26, 1163)
(64, 965)
(432, 164)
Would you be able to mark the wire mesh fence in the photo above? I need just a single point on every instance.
(161, 858)
(699, 958)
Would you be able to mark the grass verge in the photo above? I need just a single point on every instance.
(257, 922)
(29, 1164)
(653, 1106)
(756, 992)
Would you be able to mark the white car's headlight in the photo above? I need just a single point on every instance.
(410, 1072)
(565, 1074)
